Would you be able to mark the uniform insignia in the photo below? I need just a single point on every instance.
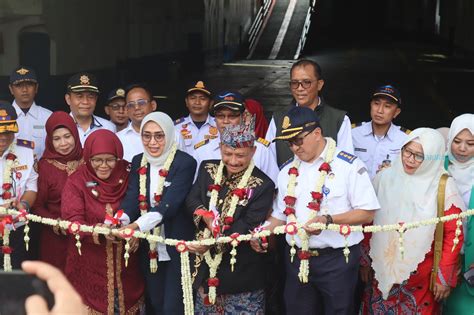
(178, 121)
(263, 141)
(229, 98)
(349, 158)
(200, 85)
(286, 163)
(286, 122)
(326, 190)
(84, 79)
(362, 171)
(356, 125)
(405, 130)
(188, 136)
(200, 144)
(213, 131)
(184, 126)
(3, 113)
(184, 132)
(25, 143)
(360, 149)
(22, 71)
(21, 168)
(120, 92)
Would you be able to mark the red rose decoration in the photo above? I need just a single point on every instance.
(345, 229)
(325, 167)
(288, 211)
(6, 195)
(304, 255)
(290, 201)
(143, 205)
(291, 229)
(225, 228)
(163, 173)
(213, 282)
(11, 157)
(316, 195)
(293, 171)
(6, 250)
(142, 170)
(18, 175)
(157, 198)
(214, 187)
(6, 186)
(141, 198)
(153, 254)
(181, 247)
(240, 192)
(314, 206)
(234, 235)
(228, 220)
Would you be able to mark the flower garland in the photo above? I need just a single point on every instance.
(457, 233)
(10, 165)
(186, 280)
(314, 206)
(237, 194)
(143, 204)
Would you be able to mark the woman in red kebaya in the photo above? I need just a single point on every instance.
(62, 156)
(93, 194)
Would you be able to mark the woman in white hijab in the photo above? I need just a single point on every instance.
(407, 192)
(461, 167)
(159, 181)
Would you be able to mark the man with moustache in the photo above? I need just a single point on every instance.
(306, 82)
(81, 96)
(139, 101)
(116, 109)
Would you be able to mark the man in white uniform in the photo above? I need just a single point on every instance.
(228, 110)
(31, 117)
(81, 96)
(18, 181)
(198, 125)
(379, 141)
(116, 109)
(346, 197)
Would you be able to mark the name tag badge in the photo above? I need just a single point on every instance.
(21, 168)
(360, 150)
(38, 126)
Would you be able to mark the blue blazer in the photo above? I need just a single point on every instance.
(178, 224)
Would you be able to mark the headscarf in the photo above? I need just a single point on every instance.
(406, 198)
(113, 188)
(463, 173)
(261, 124)
(61, 120)
(167, 125)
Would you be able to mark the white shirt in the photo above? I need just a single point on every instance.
(344, 136)
(263, 158)
(188, 134)
(373, 150)
(32, 126)
(97, 124)
(131, 142)
(346, 187)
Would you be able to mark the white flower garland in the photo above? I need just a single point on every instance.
(214, 263)
(6, 249)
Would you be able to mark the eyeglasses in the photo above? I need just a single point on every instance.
(110, 162)
(408, 154)
(159, 137)
(294, 84)
(298, 141)
(140, 103)
(221, 116)
(117, 107)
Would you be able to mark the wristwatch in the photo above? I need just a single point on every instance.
(329, 219)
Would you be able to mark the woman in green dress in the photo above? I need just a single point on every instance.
(460, 165)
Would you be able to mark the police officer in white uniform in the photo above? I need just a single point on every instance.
(228, 110)
(347, 198)
(139, 101)
(81, 96)
(18, 181)
(378, 141)
(198, 125)
(31, 117)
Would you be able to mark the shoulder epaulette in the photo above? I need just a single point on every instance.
(263, 141)
(201, 143)
(349, 158)
(178, 121)
(356, 125)
(286, 163)
(405, 130)
(25, 143)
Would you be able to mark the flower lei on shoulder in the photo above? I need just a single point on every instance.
(314, 205)
(143, 204)
(238, 194)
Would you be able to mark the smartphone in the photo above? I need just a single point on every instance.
(16, 286)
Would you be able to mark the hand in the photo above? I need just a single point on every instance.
(120, 232)
(366, 274)
(109, 236)
(441, 292)
(198, 249)
(258, 245)
(66, 299)
(313, 231)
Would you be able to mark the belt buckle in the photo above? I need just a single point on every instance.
(314, 252)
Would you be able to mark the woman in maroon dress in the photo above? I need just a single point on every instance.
(62, 156)
(92, 196)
